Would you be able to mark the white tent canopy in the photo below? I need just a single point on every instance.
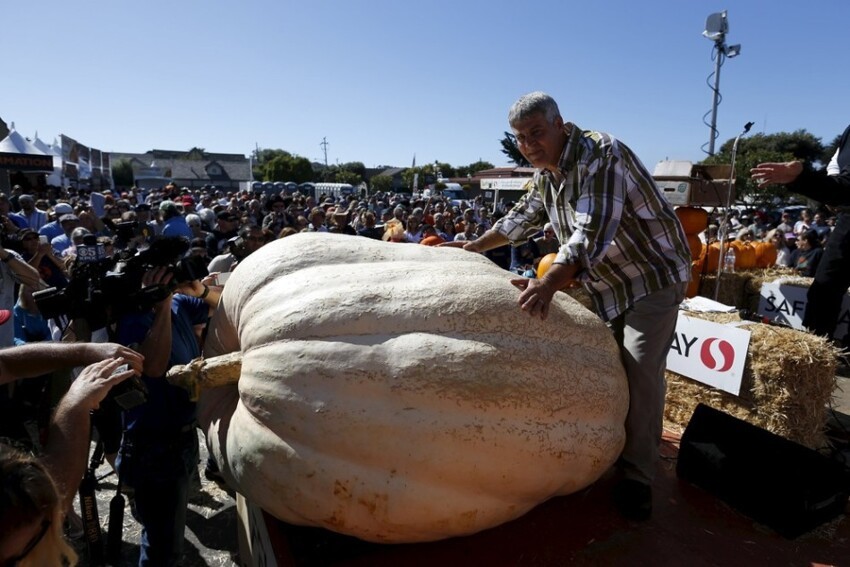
(14, 143)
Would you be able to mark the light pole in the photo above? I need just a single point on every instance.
(716, 26)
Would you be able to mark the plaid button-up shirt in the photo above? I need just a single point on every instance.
(610, 217)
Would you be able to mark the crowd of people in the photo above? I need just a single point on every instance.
(48, 235)
(799, 242)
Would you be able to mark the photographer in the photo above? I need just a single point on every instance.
(160, 446)
(250, 239)
(36, 492)
(277, 218)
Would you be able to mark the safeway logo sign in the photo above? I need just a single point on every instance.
(726, 351)
(786, 304)
(710, 353)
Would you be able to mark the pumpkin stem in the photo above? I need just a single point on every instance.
(204, 373)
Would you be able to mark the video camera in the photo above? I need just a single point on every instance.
(103, 288)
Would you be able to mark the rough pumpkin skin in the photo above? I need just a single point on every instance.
(396, 392)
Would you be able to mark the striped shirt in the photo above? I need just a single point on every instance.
(610, 216)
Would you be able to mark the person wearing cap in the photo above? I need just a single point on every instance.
(143, 217)
(62, 242)
(188, 203)
(277, 217)
(250, 239)
(53, 229)
(226, 227)
(548, 243)
(40, 255)
(173, 223)
(35, 218)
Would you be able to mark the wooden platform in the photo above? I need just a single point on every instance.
(688, 527)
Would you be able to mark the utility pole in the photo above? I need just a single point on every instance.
(716, 27)
(324, 145)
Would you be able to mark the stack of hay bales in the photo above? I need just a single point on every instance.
(742, 288)
(789, 378)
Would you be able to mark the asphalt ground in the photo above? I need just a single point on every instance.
(211, 526)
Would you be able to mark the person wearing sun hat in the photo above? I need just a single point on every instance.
(54, 228)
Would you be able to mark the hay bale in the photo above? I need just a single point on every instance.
(732, 286)
(758, 278)
(789, 377)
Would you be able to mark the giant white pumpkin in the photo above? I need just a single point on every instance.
(397, 393)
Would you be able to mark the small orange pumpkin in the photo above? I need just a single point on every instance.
(765, 254)
(695, 244)
(745, 255)
(545, 264)
(694, 219)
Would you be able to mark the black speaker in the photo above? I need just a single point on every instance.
(777, 482)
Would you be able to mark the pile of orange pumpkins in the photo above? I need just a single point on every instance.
(705, 259)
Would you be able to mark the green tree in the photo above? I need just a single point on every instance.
(473, 168)
(510, 149)
(356, 167)
(196, 153)
(446, 169)
(262, 157)
(122, 173)
(345, 176)
(287, 167)
(782, 146)
(381, 183)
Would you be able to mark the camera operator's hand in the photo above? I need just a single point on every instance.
(161, 276)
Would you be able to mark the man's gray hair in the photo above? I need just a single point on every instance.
(532, 103)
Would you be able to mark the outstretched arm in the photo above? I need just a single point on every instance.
(35, 359)
(68, 440)
(828, 189)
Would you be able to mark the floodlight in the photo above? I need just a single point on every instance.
(716, 26)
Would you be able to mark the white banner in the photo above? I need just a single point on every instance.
(710, 353)
(786, 304)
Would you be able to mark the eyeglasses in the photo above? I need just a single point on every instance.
(12, 561)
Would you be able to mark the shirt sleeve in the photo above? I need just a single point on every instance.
(598, 210)
(526, 218)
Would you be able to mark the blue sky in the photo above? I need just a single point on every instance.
(383, 80)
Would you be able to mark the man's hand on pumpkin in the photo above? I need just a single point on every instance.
(536, 296)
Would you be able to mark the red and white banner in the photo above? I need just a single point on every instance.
(711, 353)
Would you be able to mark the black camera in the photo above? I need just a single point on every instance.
(103, 288)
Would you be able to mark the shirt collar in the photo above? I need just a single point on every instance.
(567, 159)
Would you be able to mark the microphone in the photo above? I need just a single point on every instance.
(747, 127)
